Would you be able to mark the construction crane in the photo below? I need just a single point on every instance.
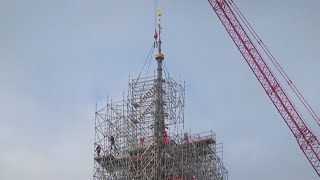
(242, 34)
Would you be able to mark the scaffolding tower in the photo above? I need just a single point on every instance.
(148, 137)
(142, 137)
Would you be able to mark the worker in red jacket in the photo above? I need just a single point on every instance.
(164, 136)
(142, 140)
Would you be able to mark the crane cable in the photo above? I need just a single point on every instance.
(275, 63)
(156, 5)
(145, 62)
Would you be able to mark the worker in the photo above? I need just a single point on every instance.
(155, 35)
(186, 137)
(112, 143)
(98, 150)
(142, 140)
(164, 136)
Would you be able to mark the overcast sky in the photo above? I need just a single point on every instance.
(59, 57)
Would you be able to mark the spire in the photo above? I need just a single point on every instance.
(157, 36)
(159, 118)
(159, 121)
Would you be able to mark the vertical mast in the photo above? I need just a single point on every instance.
(159, 126)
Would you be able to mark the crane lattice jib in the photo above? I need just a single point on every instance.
(307, 141)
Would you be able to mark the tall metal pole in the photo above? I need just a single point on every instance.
(159, 118)
(159, 126)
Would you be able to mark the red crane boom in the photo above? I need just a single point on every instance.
(307, 141)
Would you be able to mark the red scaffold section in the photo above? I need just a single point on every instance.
(307, 141)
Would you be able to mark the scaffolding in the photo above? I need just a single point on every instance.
(138, 151)
(142, 137)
